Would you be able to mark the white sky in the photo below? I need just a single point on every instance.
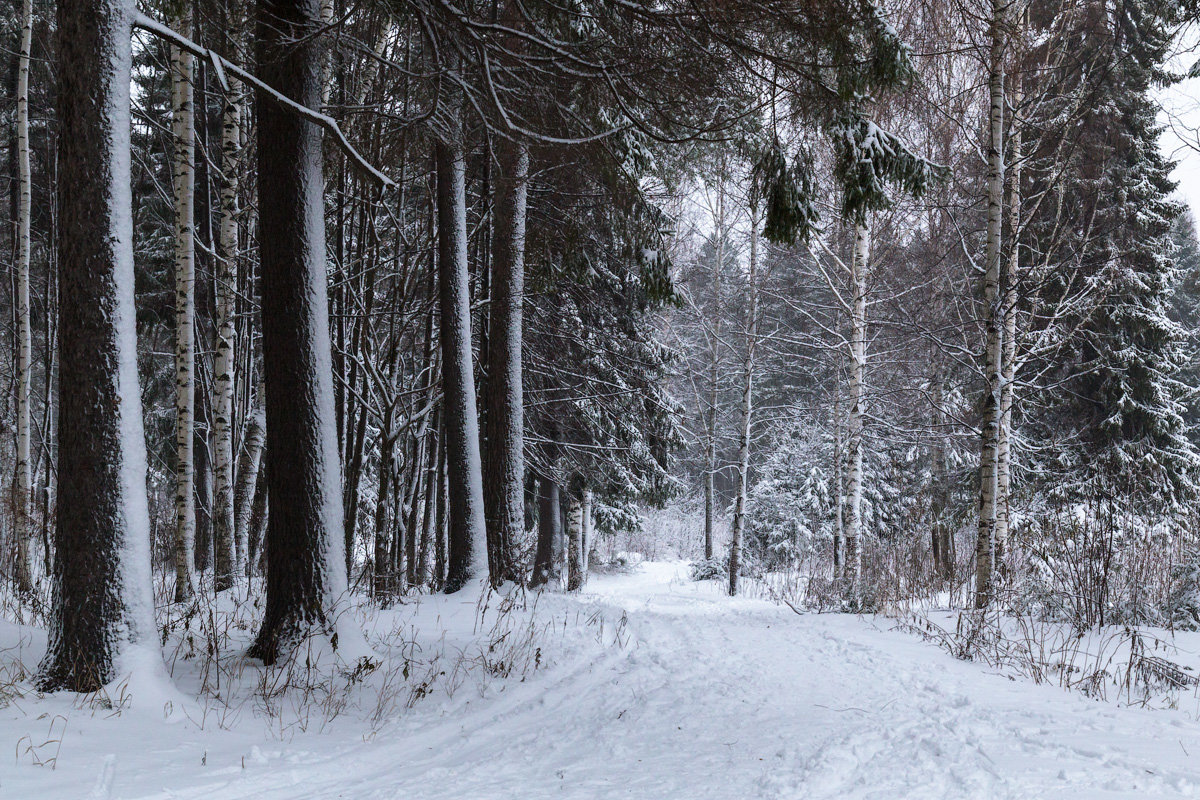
(1181, 116)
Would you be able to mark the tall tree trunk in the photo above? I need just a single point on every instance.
(103, 603)
(183, 134)
(1009, 350)
(714, 367)
(306, 569)
(860, 264)
(468, 540)
(224, 363)
(985, 542)
(24, 520)
(504, 471)
(743, 463)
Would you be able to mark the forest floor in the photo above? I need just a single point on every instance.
(647, 686)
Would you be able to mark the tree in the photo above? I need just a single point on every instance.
(306, 577)
(183, 182)
(24, 483)
(103, 607)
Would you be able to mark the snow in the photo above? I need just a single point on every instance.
(650, 687)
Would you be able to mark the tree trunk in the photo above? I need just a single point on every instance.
(183, 134)
(381, 580)
(504, 471)
(1008, 357)
(852, 553)
(574, 542)
(943, 555)
(306, 569)
(24, 520)
(839, 468)
(103, 603)
(743, 463)
(985, 542)
(224, 363)
(247, 481)
(259, 514)
(468, 543)
(586, 546)
(545, 563)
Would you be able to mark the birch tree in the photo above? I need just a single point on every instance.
(743, 457)
(183, 133)
(994, 317)
(230, 541)
(24, 521)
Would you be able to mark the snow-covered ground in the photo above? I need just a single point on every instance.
(649, 687)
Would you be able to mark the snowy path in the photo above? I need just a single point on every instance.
(712, 698)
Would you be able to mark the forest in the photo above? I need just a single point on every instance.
(355, 355)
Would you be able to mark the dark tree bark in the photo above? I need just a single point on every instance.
(467, 537)
(102, 601)
(306, 570)
(504, 468)
(545, 561)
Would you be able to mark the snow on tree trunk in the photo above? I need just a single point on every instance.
(228, 537)
(852, 535)
(985, 541)
(102, 622)
(183, 135)
(468, 538)
(743, 462)
(306, 569)
(574, 542)
(504, 473)
(23, 522)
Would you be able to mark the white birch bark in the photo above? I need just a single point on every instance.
(574, 537)
(1009, 351)
(985, 541)
(587, 532)
(183, 135)
(743, 463)
(852, 534)
(228, 538)
(24, 523)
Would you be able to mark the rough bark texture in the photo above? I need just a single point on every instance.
(467, 533)
(306, 571)
(504, 469)
(183, 135)
(990, 423)
(102, 600)
(23, 522)
(545, 564)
